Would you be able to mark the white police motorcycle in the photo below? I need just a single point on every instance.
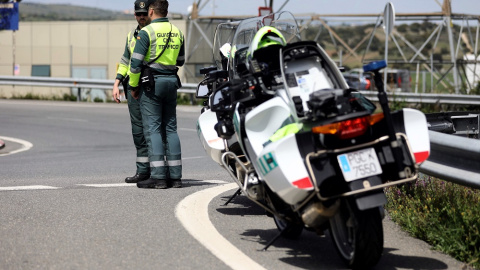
(312, 152)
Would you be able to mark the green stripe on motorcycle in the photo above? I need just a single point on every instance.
(262, 167)
(267, 163)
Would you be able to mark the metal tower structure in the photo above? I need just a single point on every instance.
(463, 38)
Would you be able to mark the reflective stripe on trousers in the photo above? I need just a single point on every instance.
(166, 163)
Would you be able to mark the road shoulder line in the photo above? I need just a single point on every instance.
(193, 214)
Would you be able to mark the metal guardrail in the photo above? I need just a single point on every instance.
(190, 88)
(455, 147)
(427, 98)
(76, 83)
(453, 158)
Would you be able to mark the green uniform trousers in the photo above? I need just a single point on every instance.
(158, 108)
(143, 164)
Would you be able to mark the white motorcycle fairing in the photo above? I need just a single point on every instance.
(280, 162)
(264, 120)
(416, 129)
(213, 145)
(284, 171)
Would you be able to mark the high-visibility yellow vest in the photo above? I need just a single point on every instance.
(124, 66)
(158, 33)
(151, 41)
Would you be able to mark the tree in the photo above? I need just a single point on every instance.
(402, 28)
(415, 27)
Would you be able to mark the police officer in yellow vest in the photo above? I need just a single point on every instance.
(162, 43)
(142, 162)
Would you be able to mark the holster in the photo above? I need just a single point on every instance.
(178, 78)
(124, 83)
(146, 78)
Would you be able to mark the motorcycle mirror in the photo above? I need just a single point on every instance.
(216, 100)
(202, 90)
(207, 70)
(218, 74)
(220, 101)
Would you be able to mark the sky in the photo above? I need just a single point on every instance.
(250, 7)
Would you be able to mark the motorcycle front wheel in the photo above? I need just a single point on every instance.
(357, 235)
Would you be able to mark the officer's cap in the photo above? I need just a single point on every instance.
(141, 5)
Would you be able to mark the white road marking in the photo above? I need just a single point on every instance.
(27, 188)
(61, 104)
(188, 129)
(193, 158)
(25, 145)
(193, 214)
(40, 187)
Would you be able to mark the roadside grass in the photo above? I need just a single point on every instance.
(65, 97)
(443, 214)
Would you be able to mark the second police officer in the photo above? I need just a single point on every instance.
(142, 162)
(158, 52)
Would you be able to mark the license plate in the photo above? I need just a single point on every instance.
(359, 164)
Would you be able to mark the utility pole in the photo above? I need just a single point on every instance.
(13, 51)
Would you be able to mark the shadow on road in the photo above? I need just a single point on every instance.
(239, 206)
(196, 183)
(312, 251)
(396, 261)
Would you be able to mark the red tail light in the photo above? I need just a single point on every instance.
(349, 128)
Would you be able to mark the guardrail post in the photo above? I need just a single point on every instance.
(79, 94)
(191, 99)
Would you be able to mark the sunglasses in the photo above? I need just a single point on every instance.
(138, 14)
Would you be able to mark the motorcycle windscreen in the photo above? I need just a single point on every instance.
(304, 77)
(245, 32)
(222, 43)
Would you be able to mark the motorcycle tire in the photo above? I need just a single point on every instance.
(357, 235)
(290, 230)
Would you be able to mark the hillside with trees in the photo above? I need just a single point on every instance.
(54, 12)
(416, 34)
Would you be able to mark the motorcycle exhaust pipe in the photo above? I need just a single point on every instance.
(316, 213)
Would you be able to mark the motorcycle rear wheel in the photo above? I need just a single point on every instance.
(357, 235)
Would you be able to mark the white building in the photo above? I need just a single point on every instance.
(76, 49)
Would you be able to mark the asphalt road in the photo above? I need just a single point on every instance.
(64, 203)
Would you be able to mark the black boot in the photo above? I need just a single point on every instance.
(137, 178)
(175, 183)
(153, 183)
